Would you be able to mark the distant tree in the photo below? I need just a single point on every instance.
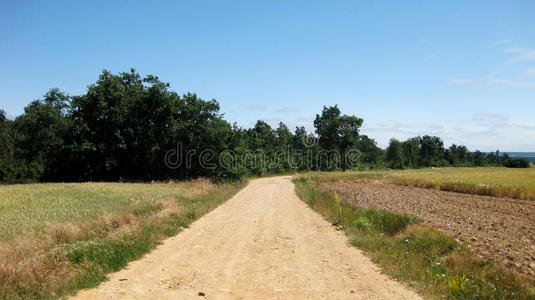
(304, 150)
(337, 132)
(284, 145)
(494, 158)
(431, 150)
(283, 134)
(370, 153)
(411, 152)
(479, 158)
(261, 137)
(457, 155)
(261, 142)
(518, 163)
(505, 159)
(394, 154)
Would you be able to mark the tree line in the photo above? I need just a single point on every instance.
(429, 151)
(125, 127)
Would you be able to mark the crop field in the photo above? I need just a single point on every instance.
(57, 238)
(491, 181)
(463, 244)
(34, 207)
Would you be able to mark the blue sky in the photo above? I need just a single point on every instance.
(463, 70)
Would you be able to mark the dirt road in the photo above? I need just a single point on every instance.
(264, 243)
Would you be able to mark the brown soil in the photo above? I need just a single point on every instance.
(264, 243)
(499, 229)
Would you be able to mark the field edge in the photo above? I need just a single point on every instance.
(82, 264)
(425, 259)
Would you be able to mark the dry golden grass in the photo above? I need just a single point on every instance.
(491, 181)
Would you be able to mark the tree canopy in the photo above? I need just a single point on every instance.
(128, 127)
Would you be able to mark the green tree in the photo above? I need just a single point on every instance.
(43, 136)
(337, 132)
(431, 150)
(103, 119)
(479, 158)
(7, 148)
(518, 163)
(304, 150)
(284, 146)
(457, 155)
(370, 153)
(200, 127)
(394, 154)
(411, 152)
(126, 124)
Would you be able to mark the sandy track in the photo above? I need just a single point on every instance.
(264, 243)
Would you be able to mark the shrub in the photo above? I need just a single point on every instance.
(382, 221)
(518, 163)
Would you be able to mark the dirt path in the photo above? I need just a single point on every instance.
(264, 243)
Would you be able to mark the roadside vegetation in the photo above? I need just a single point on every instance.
(431, 262)
(489, 181)
(58, 238)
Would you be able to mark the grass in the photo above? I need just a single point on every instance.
(490, 181)
(58, 238)
(432, 263)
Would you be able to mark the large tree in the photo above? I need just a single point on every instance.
(7, 148)
(126, 124)
(411, 152)
(457, 155)
(431, 150)
(337, 132)
(369, 152)
(394, 154)
(43, 135)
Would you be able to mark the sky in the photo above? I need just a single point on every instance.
(461, 70)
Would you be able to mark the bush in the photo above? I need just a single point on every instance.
(518, 163)
(382, 221)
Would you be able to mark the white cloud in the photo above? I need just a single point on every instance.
(273, 122)
(256, 107)
(288, 109)
(530, 72)
(485, 132)
(489, 117)
(306, 118)
(520, 55)
(432, 55)
(464, 81)
(502, 42)
(491, 82)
